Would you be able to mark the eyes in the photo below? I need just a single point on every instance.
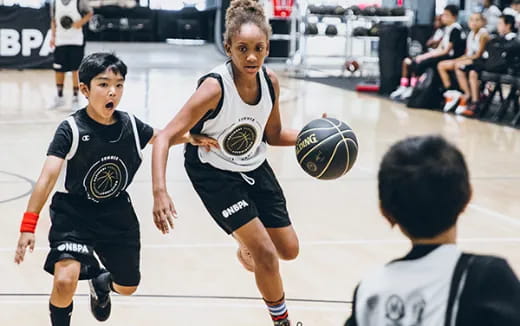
(104, 85)
(244, 49)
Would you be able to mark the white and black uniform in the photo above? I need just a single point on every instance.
(453, 34)
(473, 41)
(438, 285)
(91, 210)
(235, 182)
(69, 41)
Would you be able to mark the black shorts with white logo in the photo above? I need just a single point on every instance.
(234, 198)
(68, 57)
(80, 229)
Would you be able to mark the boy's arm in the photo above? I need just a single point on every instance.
(50, 172)
(274, 133)
(482, 47)
(53, 26)
(87, 14)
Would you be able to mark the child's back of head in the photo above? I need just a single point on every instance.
(423, 185)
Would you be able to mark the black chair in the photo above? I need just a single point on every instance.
(510, 100)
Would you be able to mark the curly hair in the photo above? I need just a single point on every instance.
(242, 12)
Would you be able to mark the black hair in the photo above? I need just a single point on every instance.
(509, 20)
(96, 63)
(453, 9)
(424, 185)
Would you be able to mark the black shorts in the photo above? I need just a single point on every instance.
(234, 198)
(420, 68)
(111, 230)
(68, 57)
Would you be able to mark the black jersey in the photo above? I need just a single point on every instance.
(100, 160)
(438, 285)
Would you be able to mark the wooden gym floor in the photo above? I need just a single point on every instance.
(191, 277)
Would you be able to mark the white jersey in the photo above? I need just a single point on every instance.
(236, 125)
(473, 41)
(65, 13)
(409, 292)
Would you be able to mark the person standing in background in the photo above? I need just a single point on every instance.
(68, 41)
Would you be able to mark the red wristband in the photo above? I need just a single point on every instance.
(29, 222)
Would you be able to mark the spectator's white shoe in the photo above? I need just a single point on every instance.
(59, 101)
(407, 93)
(463, 106)
(451, 100)
(398, 92)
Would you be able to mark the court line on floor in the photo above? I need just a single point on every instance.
(178, 296)
(303, 243)
(503, 217)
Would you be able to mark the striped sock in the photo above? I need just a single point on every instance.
(277, 309)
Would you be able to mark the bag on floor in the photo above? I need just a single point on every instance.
(427, 93)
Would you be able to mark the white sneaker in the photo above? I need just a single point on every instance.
(407, 93)
(58, 102)
(451, 100)
(398, 92)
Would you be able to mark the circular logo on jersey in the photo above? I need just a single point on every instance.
(106, 178)
(394, 308)
(240, 140)
(66, 22)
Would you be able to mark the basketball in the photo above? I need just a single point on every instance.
(326, 148)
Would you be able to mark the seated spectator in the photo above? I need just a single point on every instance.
(423, 188)
(475, 46)
(491, 13)
(451, 46)
(494, 59)
(438, 31)
(514, 10)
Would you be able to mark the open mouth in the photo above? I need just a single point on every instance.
(109, 105)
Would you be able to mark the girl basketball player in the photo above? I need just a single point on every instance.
(95, 153)
(236, 108)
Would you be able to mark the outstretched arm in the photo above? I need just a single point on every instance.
(176, 132)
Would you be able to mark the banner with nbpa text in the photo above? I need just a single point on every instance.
(25, 38)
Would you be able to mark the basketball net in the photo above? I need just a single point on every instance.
(282, 8)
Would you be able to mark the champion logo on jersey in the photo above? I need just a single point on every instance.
(234, 208)
(85, 138)
(74, 247)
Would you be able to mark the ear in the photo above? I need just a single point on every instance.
(227, 48)
(387, 216)
(84, 90)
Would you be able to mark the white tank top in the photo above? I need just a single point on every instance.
(473, 41)
(67, 36)
(409, 292)
(237, 126)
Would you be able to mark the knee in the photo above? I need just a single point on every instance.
(289, 251)
(65, 284)
(265, 257)
(125, 290)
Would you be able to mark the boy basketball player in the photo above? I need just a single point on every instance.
(95, 153)
(236, 107)
(67, 20)
(423, 188)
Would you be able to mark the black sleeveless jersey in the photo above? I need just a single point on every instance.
(102, 160)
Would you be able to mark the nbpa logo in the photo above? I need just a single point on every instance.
(234, 208)
(74, 247)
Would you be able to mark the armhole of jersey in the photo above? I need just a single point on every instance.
(270, 85)
(136, 135)
(458, 282)
(75, 138)
(213, 113)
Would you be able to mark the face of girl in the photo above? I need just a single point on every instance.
(475, 22)
(248, 49)
(104, 93)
